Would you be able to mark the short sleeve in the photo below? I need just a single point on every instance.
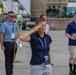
(31, 37)
(49, 38)
(2, 28)
(68, 29)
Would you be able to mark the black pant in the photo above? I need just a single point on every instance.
(9, 53)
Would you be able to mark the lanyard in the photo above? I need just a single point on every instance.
(13, 28)
(43, 45)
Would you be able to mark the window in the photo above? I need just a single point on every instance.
(20, 8)
(72, 0)
(55, 11)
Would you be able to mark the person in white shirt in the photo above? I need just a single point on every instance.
(43, 16)
(47, 28)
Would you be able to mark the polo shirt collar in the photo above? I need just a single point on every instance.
(9, 22)
(39, 35)
(74, 22)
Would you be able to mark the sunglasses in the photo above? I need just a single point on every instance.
(12, 16)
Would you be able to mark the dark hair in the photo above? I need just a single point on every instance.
(11, 12)
(74, 13)
(42, 15)
(39, 20)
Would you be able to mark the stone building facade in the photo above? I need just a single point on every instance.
(39, 6)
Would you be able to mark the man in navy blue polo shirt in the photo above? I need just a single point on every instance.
(71, 34)
(40, 46)
(8, 31)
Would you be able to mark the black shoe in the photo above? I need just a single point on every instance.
(74, 73)
(71, 73)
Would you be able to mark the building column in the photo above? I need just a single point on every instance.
(38, 7)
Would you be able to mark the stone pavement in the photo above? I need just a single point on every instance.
(60, 55)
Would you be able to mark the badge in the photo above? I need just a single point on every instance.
(46, 58)
(13, 36)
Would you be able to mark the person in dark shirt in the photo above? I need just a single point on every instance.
(40, 46)
(71, 34)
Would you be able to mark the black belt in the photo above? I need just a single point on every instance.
(10, 42)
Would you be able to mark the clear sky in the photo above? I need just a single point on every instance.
(26, 4)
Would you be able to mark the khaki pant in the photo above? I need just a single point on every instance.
(41, 69)
(72, 51)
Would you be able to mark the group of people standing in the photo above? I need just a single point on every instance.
(37, 37)
(40, 40)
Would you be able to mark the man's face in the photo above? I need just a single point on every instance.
(74, 17)
(44, 17)
(11, 17)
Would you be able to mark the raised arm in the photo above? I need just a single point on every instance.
(26, 36)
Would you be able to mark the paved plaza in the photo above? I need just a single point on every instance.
(60, 55)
